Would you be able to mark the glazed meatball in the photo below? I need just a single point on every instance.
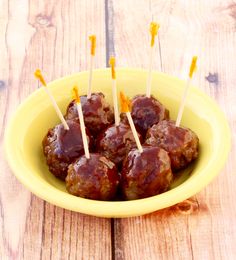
(94, 178)
(146, 112)
(97, 112)
(115, 142)
(145, 174)
(61, 147)
(181, 143)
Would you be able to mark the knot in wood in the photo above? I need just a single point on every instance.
(43, 20)
(2, 84)
(186, 207)
(213, 78)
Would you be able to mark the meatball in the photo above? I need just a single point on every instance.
(145, 174)
(146, 111)
(61, 147)
(181, 143)
(97, 112)
(94, 178)
(115, 142)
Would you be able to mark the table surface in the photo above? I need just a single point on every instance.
(53, 35)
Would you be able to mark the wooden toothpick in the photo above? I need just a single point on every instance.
(81, 120)
(40, 77)
(192, 69)
(125, 108)
(112, 63)
(154, 27)
(92, 38)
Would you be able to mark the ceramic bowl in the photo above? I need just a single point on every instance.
(33, 118)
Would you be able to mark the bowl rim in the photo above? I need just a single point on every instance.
(120, 209)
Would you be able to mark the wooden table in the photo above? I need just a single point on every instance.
(53, 35)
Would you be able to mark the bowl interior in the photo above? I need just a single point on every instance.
(36, 115)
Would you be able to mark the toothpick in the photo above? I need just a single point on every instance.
(154, 27)
(81, 120)
(114, 90)
(92, 38)
(192, 69)
(125, 104)
(39, 76)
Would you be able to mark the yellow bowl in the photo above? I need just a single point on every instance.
(36, 115)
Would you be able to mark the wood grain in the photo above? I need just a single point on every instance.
(203, 227)
(52, 35)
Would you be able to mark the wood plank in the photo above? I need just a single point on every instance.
(52, 35)
(203, 227)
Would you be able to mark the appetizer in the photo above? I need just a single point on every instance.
(98, 114)
(146, 111)
(61, 147)
(146, 174)
(115, 142)
(146, 171)
(92, 175)
(93, 178)
(181, 143)
(119, 161)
